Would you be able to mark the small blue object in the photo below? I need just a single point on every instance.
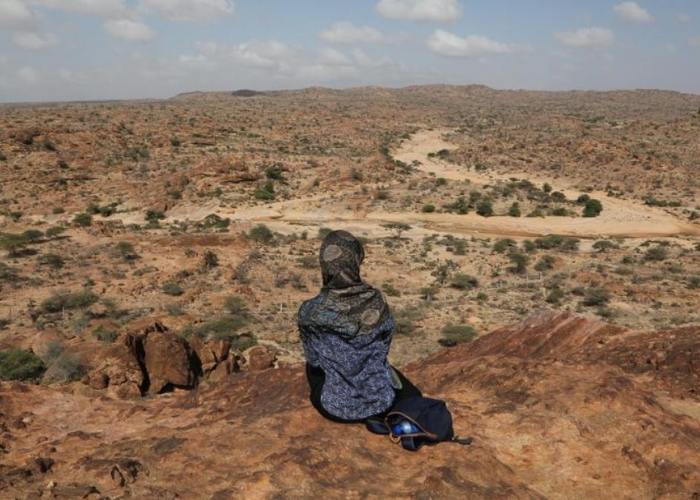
(405, 427)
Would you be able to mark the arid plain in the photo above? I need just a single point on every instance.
(540, 252)
(165, 182)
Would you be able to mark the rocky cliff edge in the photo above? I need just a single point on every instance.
(559, 407)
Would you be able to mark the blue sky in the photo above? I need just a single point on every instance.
(55, 50)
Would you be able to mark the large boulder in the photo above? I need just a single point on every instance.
(168, 362)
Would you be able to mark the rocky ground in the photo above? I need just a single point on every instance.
(559, 406)
(151, 248)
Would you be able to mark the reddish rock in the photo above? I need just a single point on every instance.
(97, 380)
(167, 361)
(259, 358)
(221, 371)
(118, 368)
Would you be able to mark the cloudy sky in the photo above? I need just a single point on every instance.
(54, 50)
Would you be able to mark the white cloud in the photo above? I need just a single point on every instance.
(192, 11)
(694, 41)
(332, 57)
(134, 31)
(71, 76)
(268, 53)
(28, 75)
(364, 61)
(198, 62)
(448, 44)
(108, 9)
(632, 13)
(683, 18)
(420, 10)
(346, 32)
(262, 54)
(14, 14)
(586, 38)
(32, 41)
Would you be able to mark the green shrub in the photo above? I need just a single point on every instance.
(503, 245)
(390, 290)
(457, 334)
(555, 296)
(83, 220)
(67, 367)
(485, 208)
(63, 300)
(13, 243)
(54, 231)
(52, 260)
(16, 364)
(406, 319)
(593, 208)
(260, 233)
(265, 192)
(382, 194)
(236, 306)
(428, 208)
(154, 215)
(108, 336)
(656, 254)
(222, 328)
(463, 281)
(125, 250)
(174, 309)
(209, 260)
(545, 263)
(596, 296)
(32, 235)
(514, 210)
(172, 288)
(274, 172)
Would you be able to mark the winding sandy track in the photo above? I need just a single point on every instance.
(620, 218)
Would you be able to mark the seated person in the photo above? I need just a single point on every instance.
(346, 331)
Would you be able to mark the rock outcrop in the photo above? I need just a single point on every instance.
(559, 407)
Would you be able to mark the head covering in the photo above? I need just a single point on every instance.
(346, 306)
(340, 256)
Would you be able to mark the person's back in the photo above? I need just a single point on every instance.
(346, 331)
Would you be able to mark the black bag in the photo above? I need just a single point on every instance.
(431, 419)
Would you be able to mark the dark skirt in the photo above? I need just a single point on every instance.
(317, 378)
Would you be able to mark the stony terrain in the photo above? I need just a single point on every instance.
(158, 246)
(559, 406)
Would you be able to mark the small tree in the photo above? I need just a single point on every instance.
(209, 260)
(603, 246)
(13, 243)
(520, 261)
(593, 208)
(32, 235)
(261, 234)
(463, 281)
(397, 228)
(485, 208)
(514, 210)
(596, 296)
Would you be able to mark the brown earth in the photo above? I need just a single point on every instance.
(559, 406)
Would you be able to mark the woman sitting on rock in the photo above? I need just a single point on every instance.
(346, 331)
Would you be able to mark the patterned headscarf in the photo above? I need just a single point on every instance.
(340, 256)
(346, 306)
